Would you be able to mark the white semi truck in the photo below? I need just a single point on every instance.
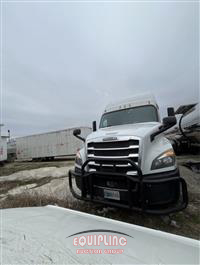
(128, 162)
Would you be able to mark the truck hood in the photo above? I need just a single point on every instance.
(139, 130)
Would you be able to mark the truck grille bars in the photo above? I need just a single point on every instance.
(122, 149)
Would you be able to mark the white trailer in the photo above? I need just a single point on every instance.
(49, 145)
(11, 147)
(3, 149)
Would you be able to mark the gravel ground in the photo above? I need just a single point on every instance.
(47, 182)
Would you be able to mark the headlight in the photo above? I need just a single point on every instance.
(78, 160)
(166, 159)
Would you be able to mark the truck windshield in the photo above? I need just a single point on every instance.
(129, 116)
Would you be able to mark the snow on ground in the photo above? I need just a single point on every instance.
(51, 181)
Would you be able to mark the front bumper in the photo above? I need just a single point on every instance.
(154, 194)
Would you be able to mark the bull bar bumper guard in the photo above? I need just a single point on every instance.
(87, 177)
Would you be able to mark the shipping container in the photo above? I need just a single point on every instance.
(3, 148)
(49, 145)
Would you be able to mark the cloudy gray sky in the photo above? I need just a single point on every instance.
(63, 62)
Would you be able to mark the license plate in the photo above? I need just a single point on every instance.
(112, 194)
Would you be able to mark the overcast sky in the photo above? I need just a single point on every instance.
(63, 62)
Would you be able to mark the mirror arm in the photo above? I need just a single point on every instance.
(80, 138)
(180, 127)
(162, 128)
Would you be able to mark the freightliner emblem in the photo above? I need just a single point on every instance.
(110, 139)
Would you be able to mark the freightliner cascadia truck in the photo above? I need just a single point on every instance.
(127, 162)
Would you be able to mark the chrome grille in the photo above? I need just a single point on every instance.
(113, 149)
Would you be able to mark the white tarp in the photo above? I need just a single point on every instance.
(40, 235)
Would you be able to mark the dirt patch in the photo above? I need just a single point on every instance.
(8, 185)
(10, 168)
(26, 199)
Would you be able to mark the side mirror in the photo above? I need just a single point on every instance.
(76, 133)
(94, 126)
(169, 121)
(170, 112)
